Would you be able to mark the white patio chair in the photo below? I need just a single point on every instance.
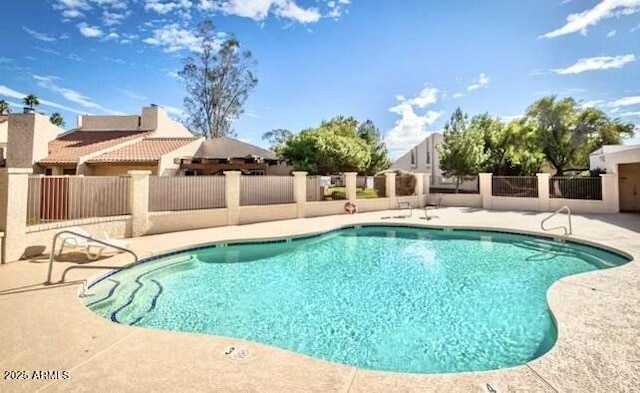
(92, 249)
(435, 205)
(404, 206)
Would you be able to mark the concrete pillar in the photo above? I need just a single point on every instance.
(391, 189)
(427, 184)
(610, 192)
(543, 192)
(350, 183)
(15, 189)
(419, 189)
(486, 189)
(300, 192)
(139, 201)
(233, 196)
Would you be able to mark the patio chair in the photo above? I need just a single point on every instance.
(434, 205)
(404, 206)
(92, 249)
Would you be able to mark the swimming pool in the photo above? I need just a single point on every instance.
(389, 298)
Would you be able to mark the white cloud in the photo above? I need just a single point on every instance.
(72, 14)
(174, 75)
(111, 36)
(38, 36)
(629, 114)
(591, 104)
(580, 22)
(132, 95)
(9, 92)
(510, 118)
(259, 10)
(427, 96)
(626, 101)
(72, 8)
(596, 63)
(612, 33)
(113, 18)
(47, 50)
(49, 83)
(89, 31)
(482, 81)
(174, 38)
(634, 29)
(166, 7)
(176, 112)
(114, 60)
(411, 127)
(75, 57)
(458, 95)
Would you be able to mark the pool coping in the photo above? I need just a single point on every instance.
(573, 366)
(98, 277)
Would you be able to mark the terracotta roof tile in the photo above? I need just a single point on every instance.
(68, 148)
(147, 150)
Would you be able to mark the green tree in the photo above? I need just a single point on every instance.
(31, 101)
(567, 134)
(331, 148)
(510, 149)
(462, 150)
(218, 82)
(57, 119)
(276, 137)
(5, 109)
(369, 133)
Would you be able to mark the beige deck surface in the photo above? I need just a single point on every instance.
(47, 328)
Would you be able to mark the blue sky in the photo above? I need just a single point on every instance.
(403, 64)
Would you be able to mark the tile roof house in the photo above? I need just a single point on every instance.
(113, 145)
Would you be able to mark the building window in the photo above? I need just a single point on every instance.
(69, 171)
(413, 157)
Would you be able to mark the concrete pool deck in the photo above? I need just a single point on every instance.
(47, 328)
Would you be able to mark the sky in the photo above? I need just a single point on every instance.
(406, 64)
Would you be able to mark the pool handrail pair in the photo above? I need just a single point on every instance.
(92, 239)
(567, 230)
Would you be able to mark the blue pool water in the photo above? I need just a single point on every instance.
(383, 298)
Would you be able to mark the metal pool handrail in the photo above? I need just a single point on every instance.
(568, 231)
(104, 243)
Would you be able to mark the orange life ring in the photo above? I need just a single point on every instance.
(350, 207)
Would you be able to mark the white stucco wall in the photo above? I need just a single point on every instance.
(609, 157)
(420, 150)
(167, 165)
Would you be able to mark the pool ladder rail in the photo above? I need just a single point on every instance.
(102, 242)
(567, 230)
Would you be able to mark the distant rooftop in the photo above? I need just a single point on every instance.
(225, 147)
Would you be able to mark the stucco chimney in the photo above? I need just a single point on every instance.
(151, 117)
(79, 122)
(28, 137)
